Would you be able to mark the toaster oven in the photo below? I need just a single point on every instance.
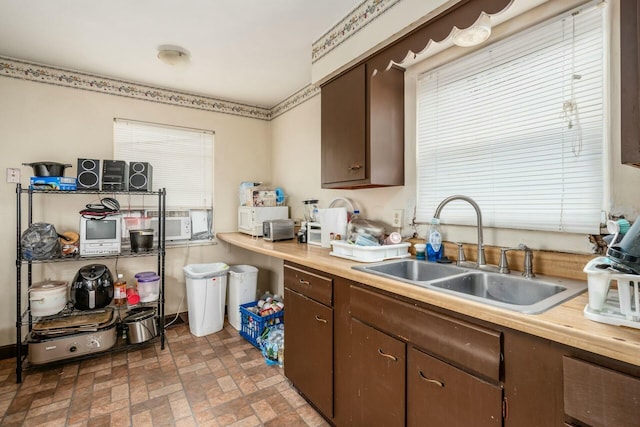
(277, 229)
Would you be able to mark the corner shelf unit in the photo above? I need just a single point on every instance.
(24, 317)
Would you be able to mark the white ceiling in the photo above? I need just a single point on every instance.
(254, 52)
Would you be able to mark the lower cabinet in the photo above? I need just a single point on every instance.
(364, 357)
(309, 339)
(441, 395)
(399, 374)
(309, 349)
(377, 378)
(598, 396)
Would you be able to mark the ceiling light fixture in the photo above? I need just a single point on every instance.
(173, 55)
(478, 33)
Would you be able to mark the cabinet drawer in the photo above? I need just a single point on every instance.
(439, 394)
(310, 284)
(599, 396)
(470, 346)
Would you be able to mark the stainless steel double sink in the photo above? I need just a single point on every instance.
(508, 291)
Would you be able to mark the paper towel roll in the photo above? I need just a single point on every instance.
(332, 221)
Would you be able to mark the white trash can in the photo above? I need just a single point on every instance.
(243, 285)
(206, 293)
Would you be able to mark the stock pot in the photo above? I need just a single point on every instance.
(48, 297)
(48, 168)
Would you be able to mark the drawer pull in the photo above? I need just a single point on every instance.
(355, 167)
(320, 319)
(429, 380)
(388, 356)
(305, 282)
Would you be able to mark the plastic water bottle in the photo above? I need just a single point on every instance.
(434, 241)
(351, 234)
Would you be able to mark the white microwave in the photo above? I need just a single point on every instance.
(250, 218)
(177, 225)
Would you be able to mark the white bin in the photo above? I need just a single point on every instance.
(206, 293)
(243, 285)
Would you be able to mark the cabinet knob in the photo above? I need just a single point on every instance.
(355, 167)
(429, 380)
(388, 356)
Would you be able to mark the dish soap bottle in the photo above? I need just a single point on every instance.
(434, 241)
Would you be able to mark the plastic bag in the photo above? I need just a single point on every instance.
(272, 344)
(40, 241)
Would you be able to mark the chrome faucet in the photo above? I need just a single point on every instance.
(503, 267)
(481, 259)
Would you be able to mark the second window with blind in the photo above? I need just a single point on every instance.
(519, 126)
(182, 161)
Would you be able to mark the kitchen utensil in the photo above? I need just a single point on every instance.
(92, 287)
(141, 324)
(48, 297)
(141, 240)
(48, 168)
(72, 336)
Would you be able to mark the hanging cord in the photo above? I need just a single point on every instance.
(570, 108)
(166, 325)
(183, 295)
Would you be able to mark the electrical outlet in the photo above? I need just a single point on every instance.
(397, 218)
(13, 175)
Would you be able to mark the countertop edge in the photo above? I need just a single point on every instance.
(564, 324)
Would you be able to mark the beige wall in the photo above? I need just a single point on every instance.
(41, 122)
(296, 140)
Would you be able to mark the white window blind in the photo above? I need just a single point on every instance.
(182, 159)
(519, 126)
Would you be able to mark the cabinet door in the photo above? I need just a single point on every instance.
(440, 395)
(309, 349)
(343, 127)
(378, 377)
(630, 82)
(600, 397)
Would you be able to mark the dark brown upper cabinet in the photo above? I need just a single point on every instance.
(362, 128)
(630, 82)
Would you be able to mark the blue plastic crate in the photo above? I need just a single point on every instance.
(253, 325)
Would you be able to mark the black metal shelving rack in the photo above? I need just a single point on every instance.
(24, 318)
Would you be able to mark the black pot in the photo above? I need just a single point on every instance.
(48, 168)
(141, 240)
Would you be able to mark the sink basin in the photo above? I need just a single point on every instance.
(411, 270)
(508, 291)
(525, 295)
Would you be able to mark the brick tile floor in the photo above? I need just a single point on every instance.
(217, 380)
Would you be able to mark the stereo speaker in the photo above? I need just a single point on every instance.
(115, 175)
(140, 176)
(88, 174)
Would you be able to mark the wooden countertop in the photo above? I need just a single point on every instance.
(564, 324)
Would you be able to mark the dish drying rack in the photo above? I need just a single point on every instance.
(621, 306)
